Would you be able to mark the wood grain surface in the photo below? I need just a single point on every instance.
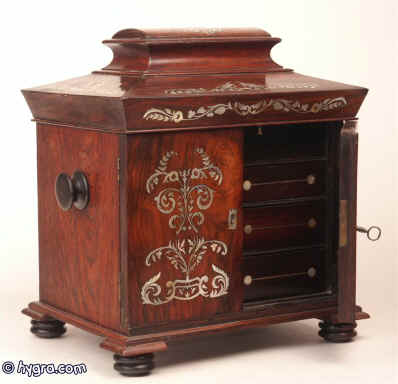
(149, 229)
(346, 256)
(166, 135)
(79, 250)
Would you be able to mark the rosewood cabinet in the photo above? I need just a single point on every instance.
(192, 186)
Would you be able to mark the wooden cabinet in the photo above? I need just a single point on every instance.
(194, 186)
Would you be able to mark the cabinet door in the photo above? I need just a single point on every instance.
(184, 225)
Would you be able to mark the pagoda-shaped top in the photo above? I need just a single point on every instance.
(191, 51)
(162, 80)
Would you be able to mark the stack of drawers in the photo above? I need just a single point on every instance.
(288, 193)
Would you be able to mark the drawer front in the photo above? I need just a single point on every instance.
(284, 181)
(276, 227)
(273, 143)
(273, 276)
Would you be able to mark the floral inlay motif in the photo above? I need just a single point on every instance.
(239, 86)
(189, 198)
(206, 31)
(185, 255)
(282, 105)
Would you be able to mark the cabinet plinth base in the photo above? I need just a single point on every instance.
(337, 332)
(48, 329)
(140, 365)
(134, 354)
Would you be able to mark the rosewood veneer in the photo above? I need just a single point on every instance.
(192, 186)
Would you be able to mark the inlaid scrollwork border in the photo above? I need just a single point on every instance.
(239, 86)
(279, 105)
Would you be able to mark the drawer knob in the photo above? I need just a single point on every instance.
(311, 272)
(247, 185)
(247, 280)
(72, 190)
(312, 223)
(248, 229)
(311, 179)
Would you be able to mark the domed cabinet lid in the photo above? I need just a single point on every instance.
(191, 78)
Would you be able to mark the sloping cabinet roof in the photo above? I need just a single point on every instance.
(188, 79)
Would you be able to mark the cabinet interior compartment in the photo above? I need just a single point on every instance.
(289, 211)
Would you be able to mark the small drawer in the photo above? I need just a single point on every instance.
(284, 226)
(274, 143)
(273, 276)
(284, 181)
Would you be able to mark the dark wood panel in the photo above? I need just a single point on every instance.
(284, 287)
(284, 181)
(321, 307)
(283, 226)
(284, 274)
(346, 257)
(79, 250)
(276, 143)
(154, 222)
(332, 213)
(193, 59)
(89, 112)
(187, 52)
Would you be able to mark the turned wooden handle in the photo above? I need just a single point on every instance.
(72, 190)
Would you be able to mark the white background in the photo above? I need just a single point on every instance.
(350, 41)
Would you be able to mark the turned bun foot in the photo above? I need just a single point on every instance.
(48, 329)
(140, 365)
(337, 333)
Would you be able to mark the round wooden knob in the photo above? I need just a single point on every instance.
(312, 223)
(72, 190)
(248, 229)
(311, 179)
(247, 280)
(311, 272)
(247, 185)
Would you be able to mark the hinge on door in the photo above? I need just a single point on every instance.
(118, 169)
(343, 226)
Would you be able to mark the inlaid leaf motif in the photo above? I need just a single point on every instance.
(185, 255)
(220, 110)
(185, 203)
(240, 86)
(220, 283)
(151, 290)
(177, 262)
(187, 198)
(245, 109)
